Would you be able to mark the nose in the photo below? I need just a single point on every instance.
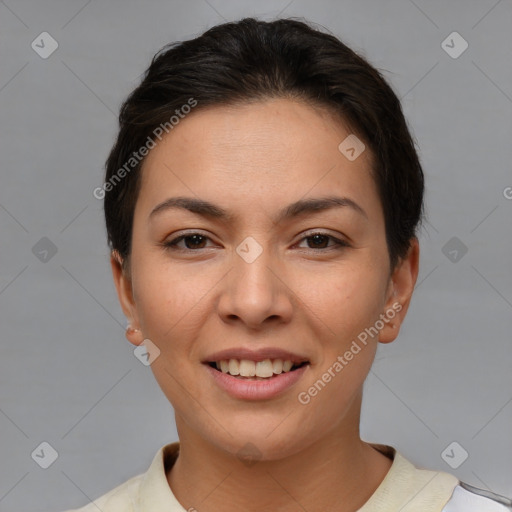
(255, 293)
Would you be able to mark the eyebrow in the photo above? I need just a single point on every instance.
(293, 210)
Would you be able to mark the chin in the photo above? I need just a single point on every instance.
(261, 441)
(251, 449)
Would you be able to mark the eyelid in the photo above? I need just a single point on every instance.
(183, 234)
(324, 232)
(339, 241)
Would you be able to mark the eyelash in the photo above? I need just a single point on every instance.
(171, 244)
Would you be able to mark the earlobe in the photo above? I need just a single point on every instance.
(123, 286)
(402, 285)
(390, 331)
(134, 336)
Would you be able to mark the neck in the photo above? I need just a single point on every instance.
(338, 472)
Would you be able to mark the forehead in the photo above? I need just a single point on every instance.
(276, 149)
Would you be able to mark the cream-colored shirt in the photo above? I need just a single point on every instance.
(405, 488)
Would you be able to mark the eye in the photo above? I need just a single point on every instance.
(195, 241)
(192, 242)
(319, 239)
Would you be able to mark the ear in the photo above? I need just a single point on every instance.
(123, 285)
(399, 293)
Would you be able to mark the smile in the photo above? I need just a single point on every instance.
(255, 370)
(254, 387)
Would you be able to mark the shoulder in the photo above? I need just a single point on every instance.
(409, 488)
(119, 499)
(145, 491)
(466, 498)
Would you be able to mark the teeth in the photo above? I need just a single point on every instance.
(247, 368)
(278, 366)
(264, 368)
(260, 369)
(233, 367)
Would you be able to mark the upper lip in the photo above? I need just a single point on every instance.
(255, 355)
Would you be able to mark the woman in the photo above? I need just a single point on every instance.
(262, 201)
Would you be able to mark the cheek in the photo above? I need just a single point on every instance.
(327, 398)
(347, 299)
(169, 307)
(351, 304)
(168, 300)
(348, 309)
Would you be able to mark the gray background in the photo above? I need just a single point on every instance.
(67, 374)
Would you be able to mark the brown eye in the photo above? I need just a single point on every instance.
(319, 241)
(192, 241)
(196, 241)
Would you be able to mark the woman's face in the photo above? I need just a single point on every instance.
(252, 282)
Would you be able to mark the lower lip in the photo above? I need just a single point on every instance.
(256, 389)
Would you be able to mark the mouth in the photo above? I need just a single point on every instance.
(246, 369)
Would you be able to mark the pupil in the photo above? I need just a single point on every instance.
(196, 238)
(317, 237)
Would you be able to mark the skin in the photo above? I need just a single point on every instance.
(310, 299)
